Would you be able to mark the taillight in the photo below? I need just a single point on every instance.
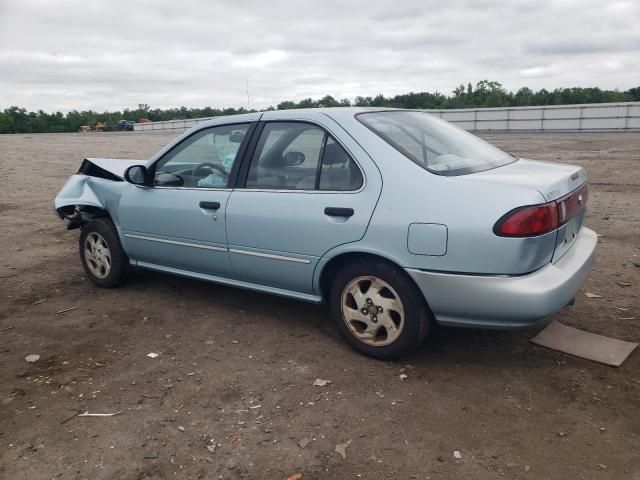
(540, 219)
(528, 221)
(570, 205)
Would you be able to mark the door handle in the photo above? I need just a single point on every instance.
(210, 205)
(338, 212)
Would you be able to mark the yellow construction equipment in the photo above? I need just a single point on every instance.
(93, 127)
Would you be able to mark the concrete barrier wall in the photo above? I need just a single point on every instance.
(591, 117)
(169, 124)
(597, 116)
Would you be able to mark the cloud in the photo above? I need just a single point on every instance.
(77, 54)
(261, 60)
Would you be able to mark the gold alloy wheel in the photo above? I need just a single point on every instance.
(97, 255)
(372, 311)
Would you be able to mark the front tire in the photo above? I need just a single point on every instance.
(101, 253)
(378, 309)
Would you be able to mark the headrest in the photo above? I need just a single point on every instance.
(334, 154)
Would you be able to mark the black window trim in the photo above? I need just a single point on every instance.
(410, 156)
(252, 124)
(316, 184)
(241, 179)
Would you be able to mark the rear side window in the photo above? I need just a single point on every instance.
(301, 156)
(434, 144)
(339, 171)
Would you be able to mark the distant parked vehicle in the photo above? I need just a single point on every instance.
(125, 125)
(396, 218)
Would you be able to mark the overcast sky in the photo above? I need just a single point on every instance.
(62, 55)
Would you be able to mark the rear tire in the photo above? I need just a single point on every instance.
(378, 309)
(102, 255)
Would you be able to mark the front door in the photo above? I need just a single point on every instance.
(303, 194)
(179, 222)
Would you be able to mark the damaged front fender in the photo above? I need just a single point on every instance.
(94, 191)
(77, 191)
(83, 198)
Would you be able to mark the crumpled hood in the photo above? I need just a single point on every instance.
(115, 165)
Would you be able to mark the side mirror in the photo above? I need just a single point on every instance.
(291, 159)
(136, 174)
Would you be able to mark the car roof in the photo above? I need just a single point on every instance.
(332, 112)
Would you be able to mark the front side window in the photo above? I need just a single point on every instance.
(204, 160)
(434, 144)
(301, 156)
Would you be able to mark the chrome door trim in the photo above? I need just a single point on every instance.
(292, 190)
(270, 255)
(175, 242)
(220, 249)
(205, 189)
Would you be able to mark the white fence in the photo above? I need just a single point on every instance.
(596, 116)
(591, 117)
(169, 124)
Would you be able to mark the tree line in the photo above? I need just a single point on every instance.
(484, 94)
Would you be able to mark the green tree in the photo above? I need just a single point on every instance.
(486, 93)
(286, 105)
(5, 123)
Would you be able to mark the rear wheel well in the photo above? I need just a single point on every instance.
(336, 263)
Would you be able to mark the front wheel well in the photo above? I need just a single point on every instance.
(336, 263)
(78, 215)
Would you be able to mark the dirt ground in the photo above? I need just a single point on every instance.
(236, 369)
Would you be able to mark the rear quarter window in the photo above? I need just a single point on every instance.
(434, 144)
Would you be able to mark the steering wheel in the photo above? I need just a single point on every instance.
(201, 170)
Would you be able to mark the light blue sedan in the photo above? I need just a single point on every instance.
(396, 218)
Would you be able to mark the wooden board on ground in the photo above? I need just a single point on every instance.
(584, 344)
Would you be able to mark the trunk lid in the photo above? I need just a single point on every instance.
(552, 180)
(564, 184)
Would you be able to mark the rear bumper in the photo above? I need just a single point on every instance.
(508, 301)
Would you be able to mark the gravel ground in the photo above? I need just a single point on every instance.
(231, 393)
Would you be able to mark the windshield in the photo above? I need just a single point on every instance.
(434, 144)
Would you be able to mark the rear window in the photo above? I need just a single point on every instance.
(434, 144)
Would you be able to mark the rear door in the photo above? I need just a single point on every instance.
(305, 188)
